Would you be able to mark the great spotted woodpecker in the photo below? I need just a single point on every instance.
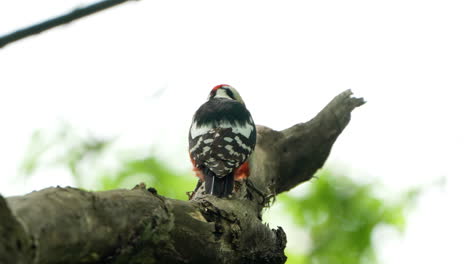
(221, 139)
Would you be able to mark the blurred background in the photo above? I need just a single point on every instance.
(106, 102)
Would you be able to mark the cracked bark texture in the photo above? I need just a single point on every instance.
(69, 225)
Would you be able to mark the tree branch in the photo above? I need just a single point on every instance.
(305, 147)
(57, 21)
(68, 225)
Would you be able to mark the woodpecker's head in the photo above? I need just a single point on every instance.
(225, 91)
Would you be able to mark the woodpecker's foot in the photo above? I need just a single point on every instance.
(267, 199)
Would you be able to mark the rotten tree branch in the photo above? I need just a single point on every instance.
(68, 225)
(57, 21)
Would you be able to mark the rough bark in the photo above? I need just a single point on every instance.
(69, 225)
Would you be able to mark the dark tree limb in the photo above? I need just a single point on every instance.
(301, 158)
(57, 21)
(68, 225)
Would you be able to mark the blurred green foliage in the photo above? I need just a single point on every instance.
(154, 173)
(83, 155)
(62, 147)
(338, 214)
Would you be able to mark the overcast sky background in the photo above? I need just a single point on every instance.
(408, 59)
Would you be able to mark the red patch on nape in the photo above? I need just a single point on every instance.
(213, 91)
(243, 172)
(219, 86)
(197, 171)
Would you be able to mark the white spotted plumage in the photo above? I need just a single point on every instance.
(245, 130)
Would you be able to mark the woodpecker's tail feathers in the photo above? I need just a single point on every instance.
(218, 186)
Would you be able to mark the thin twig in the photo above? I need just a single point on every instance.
(57, 21)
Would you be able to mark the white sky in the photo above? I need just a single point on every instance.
(409, 59)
